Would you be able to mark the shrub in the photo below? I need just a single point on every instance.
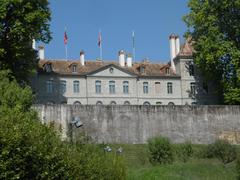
(222, 150)
(183, 151)
(160, 150)
(238, 167)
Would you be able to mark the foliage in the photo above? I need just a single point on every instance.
(238, 167)
(214, 30)
(222, 150)
(21, 21)
(160, 150)
(31, 150)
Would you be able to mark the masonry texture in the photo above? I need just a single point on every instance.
(135, 124)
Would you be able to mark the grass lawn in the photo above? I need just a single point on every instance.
(138, 167)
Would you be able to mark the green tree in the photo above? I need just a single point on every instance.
(214, 26)
(21, 21)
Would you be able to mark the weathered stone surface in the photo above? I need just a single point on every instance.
(135, 124)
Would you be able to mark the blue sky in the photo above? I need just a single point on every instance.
(152, 20)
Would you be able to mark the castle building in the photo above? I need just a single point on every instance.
(123, 82)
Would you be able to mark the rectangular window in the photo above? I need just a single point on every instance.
(145, 87)
(49, 86)
(112, 87)
(169, 88)
(63, 86)
(98, 87)
(157, 87)
(76, 86)
(193, 88)
(125, 87)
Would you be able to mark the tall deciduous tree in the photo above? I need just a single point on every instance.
(21, 21)
(214, 26)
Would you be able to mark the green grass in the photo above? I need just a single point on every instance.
(139, 168)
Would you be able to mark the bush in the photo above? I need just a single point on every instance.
(160, 150)
(222, 150)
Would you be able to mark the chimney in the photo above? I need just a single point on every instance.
(82, 59)
(121, 58)
(129, 60)
(41, 52)
(177, 44)
(172, 42)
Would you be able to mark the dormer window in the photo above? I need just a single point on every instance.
(142, 69)
(74, 68)
(48, 67)
(167, 71)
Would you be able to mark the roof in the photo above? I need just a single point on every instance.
(66, 67)
(186, 49)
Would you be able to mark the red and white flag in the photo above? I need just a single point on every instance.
(65, 38)
(99, 39)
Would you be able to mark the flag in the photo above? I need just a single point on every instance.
(99, 39)
(65, 38)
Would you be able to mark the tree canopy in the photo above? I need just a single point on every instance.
(21, 21)
(214, 26)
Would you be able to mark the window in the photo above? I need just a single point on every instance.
(112, 87)
(169, 88)
(49, 87)
(76, 103)
(157, 87)
(63, 86)
(98, 87)
(142, 69)
(171, 104)
(99, 103)
(125, 87)
(48, 67)
(74, 68)
(167, 71)
(126, 103)
(191, 69)
(158, 103)
(76, 86)
(145, 87)
(193, 88)
(113, 103)
(146, 103)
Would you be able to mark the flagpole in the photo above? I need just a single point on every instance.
(133, 44)
(66, 52)
(100, 45)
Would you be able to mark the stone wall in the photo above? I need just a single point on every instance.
(135, 124)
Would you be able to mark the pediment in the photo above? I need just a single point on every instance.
(112, 71)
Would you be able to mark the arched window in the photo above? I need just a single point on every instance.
(76, 86)
(48, 67)
(113, 103)
(76, 103)
(158, 103)
(50, 103)
(126, 103)
(98, 87)
(125, 87)
(171, 104)
(146, 103)
(99, 103)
